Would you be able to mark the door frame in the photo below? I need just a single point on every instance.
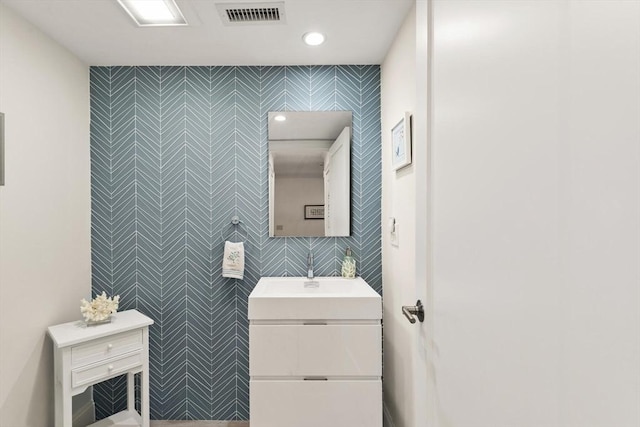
(424, 382)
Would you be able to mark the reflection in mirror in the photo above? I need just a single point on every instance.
(309, 173)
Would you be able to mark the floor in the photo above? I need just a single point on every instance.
(199, 423)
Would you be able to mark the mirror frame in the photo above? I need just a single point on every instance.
(311, 126)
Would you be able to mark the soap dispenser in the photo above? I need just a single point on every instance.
(348, 265)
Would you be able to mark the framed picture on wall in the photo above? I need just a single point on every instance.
(401, 143)
(313, 211)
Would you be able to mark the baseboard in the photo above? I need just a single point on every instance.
(387, 418)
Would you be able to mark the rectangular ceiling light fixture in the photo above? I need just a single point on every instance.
(153, 12)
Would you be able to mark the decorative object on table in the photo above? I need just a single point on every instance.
(313, 211)
(401, 143)
(99, 309)
(233, 260)
(348, 265)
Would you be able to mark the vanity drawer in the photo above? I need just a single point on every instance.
(104, 348)
(316, 403)
(95, 373)
(320, 350)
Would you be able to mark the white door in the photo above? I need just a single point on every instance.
(535, 207)
(337, 186)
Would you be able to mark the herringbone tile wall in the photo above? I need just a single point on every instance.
(175, 153)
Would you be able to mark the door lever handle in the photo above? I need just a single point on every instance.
(410, 311)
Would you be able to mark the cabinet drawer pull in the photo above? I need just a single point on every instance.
(111, 367)
(315, 378)
(109, 346)
(315, 323)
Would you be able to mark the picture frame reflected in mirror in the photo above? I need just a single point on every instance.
(313, 211)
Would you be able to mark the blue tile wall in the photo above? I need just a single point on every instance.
(175, 153)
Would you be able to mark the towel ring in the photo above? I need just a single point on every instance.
(235, 228)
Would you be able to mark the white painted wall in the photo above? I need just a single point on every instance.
(398, 84)
(291, 194)
(535, 170)
(44, 212)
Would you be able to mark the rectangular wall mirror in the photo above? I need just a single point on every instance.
(309, 173)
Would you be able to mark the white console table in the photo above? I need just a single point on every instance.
(86, 355)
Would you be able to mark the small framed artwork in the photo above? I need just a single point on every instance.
(313, 211)
(401, 143)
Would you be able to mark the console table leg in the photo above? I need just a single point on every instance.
(144, 381)
(63, 409)
(131, 391)
(62, 389)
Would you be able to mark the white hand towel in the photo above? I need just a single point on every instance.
(233, 261)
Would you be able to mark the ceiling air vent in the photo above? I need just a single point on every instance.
(251, 13)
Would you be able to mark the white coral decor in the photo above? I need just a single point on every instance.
(100, 308)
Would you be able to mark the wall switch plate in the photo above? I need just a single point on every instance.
(395, 236)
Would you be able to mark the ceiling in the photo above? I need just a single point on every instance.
(101, 33)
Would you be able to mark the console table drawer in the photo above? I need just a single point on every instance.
(103, 348)
(111, 367)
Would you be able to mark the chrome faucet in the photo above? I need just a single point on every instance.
(310, 266)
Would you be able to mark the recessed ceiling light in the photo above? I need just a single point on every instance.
(313, 38)
(279, 118)
(153, 12)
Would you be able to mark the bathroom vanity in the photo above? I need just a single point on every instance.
(86, 355)
(315, 353)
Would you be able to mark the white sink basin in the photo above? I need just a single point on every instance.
(323, 298)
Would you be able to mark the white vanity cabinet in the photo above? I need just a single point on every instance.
(314, 372)
(86, 355)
